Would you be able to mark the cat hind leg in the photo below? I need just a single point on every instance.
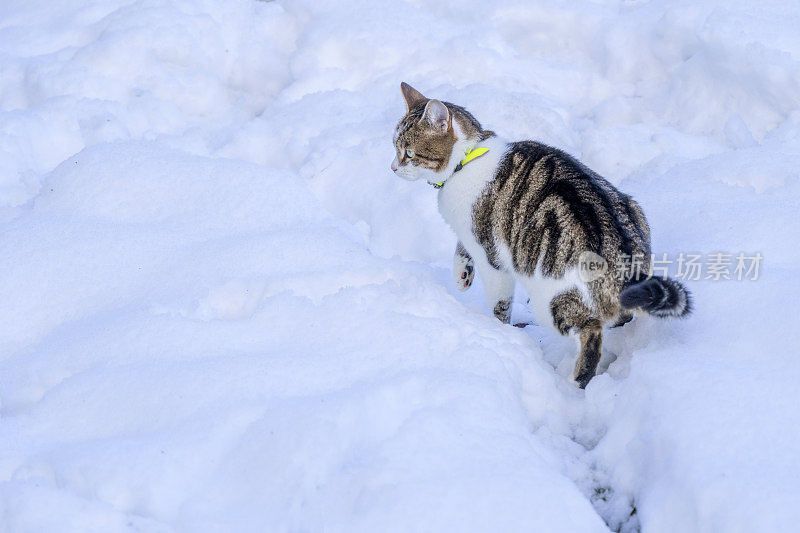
(571, 315)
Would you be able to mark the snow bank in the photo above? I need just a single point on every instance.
(222, 312)
(196, 343)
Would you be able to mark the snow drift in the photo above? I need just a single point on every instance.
(222, 312)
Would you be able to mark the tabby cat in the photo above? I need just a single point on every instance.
(525, 212)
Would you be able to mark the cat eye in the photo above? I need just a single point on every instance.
(409, 152)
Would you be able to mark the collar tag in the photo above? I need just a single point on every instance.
(469, 155)
(473, 154)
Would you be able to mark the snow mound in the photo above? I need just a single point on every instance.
(221, 312)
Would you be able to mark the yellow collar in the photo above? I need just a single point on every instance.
(470, 154)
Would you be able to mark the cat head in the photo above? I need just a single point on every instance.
(429, 134)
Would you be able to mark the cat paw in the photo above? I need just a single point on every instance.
(463, 276)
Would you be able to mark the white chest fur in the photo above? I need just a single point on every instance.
(460, 192)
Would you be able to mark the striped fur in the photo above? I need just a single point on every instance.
(662, 297)
(547, 208)
(526, 212)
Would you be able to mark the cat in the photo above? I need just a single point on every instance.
(527, 213)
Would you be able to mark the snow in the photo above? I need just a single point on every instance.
(222, 312)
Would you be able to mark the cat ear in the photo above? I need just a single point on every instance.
(413, 97)
(437, 114)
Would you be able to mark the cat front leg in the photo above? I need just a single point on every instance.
(499, 289)
(463, 268)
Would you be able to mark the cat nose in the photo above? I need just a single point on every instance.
(394, 166)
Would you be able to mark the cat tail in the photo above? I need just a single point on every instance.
(661, 297)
